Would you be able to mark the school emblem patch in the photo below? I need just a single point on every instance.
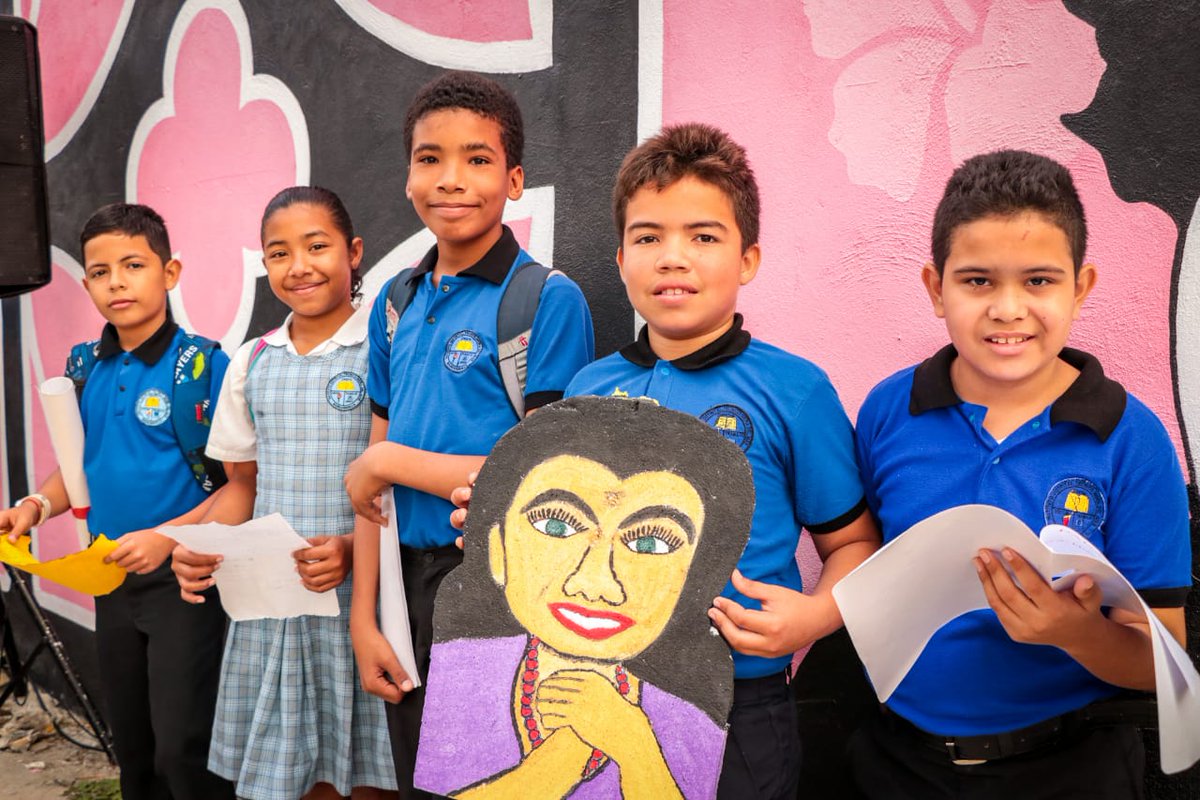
(731, 422)
(1076, 503)
(153, 408)
(345, 391)
(461, 350)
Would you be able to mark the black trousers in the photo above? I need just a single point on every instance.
(762, 749)
(423, 573)
(161, 659)
(1100, 763)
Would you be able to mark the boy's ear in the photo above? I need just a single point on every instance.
(1085, 281)
(496, 555)
(408, 186)
(516, 182)
(621, 263)
(171, 271)
(933, 285)
(750, 261)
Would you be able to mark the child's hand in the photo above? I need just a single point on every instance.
(194, 572)
(141, 551)
(364, 484)
(788, 620)
(379, 670)
(1032, 612)
(17, 521)
(325, 563)
(461, 497)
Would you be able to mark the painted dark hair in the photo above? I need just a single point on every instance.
(628, 437)
(471, 92)
(130, 219)
(691, 150)
(1004, 184)
(322, 197)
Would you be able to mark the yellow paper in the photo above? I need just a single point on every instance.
(84, 571)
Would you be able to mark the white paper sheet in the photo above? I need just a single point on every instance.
(257, 578)
(61, 408)
(393, 608)
(927, 578)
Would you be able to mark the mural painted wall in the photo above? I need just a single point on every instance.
(853, 111)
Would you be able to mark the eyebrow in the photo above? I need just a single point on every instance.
(562, 496)
(691, 226)
(1037, 268)
(658, 512)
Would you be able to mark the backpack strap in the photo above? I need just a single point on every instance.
(514, 325)
(80, 362)
(191, 408)
(399, 297)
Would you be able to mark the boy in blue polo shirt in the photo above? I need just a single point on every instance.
(160, 656)
(686, 206)
(1000, 702)
(434, 379)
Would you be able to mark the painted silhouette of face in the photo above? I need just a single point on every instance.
(593, 564)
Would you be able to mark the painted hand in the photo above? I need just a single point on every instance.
(1031, 611)
(788, 620)
(194, 572)
(324, 564)
(141, 551)
(589, 704)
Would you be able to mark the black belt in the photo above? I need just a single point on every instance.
(988, 747)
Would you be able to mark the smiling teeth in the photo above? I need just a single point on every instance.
(1009, 339)
(589, 623)
(673, 292)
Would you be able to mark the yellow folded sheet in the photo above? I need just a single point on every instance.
(84, 571)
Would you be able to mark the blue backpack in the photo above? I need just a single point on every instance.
(191, 391)
(514, 322)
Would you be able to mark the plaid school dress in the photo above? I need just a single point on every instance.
(290, 711)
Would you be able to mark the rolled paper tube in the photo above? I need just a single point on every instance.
(66, 435)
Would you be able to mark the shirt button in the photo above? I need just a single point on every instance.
(431, 319)
(664, 371)
(126, 362)
(445, 288)
(122, 388)
(1037, 423)
(996, 460)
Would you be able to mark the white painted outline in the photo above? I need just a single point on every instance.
(650, 84)
(31, 356)
(529, 55)
(1187, 337)
(252, 87)
(535, 204)
(88, 99)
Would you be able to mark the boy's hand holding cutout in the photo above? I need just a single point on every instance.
(141, 551)
(788, 621)
(325, 563)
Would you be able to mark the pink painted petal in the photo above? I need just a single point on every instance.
(209, 156)
(882, 107)
(471, 20)
(77, 43)
(1036, 61)
(840, 27)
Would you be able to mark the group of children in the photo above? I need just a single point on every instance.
(409, 393)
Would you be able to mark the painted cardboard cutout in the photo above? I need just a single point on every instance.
(572, 651)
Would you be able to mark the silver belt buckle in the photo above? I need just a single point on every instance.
(952, 749)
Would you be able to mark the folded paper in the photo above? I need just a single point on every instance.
(84, 571)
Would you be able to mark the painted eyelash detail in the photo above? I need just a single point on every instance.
(555, 512)
(654, 531)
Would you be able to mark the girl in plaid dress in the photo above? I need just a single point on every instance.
(292, 720)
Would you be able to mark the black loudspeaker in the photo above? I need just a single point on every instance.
(24, 227)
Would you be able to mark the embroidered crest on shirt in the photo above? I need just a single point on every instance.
(462, 349)
(732, 422)
(153, 408)
(345, 391)
(1076, 503)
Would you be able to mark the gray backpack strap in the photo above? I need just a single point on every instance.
(514, 324)
(399, 296)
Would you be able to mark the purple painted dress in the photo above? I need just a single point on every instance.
(467, 732)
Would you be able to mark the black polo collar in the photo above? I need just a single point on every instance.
(729, 345)
(149, 351)
(1094, 399)
(493, 267)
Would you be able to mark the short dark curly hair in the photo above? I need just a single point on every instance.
(699, 151)
(130, 219)
(472, 92)
(1004, 184)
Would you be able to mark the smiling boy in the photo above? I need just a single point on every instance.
(1001, 702)
(434, 381)
(686, 206)
(160, 655)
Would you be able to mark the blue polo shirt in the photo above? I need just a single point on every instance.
(136, 473)
(784, 414)
(1096, 460)
(437, 381)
